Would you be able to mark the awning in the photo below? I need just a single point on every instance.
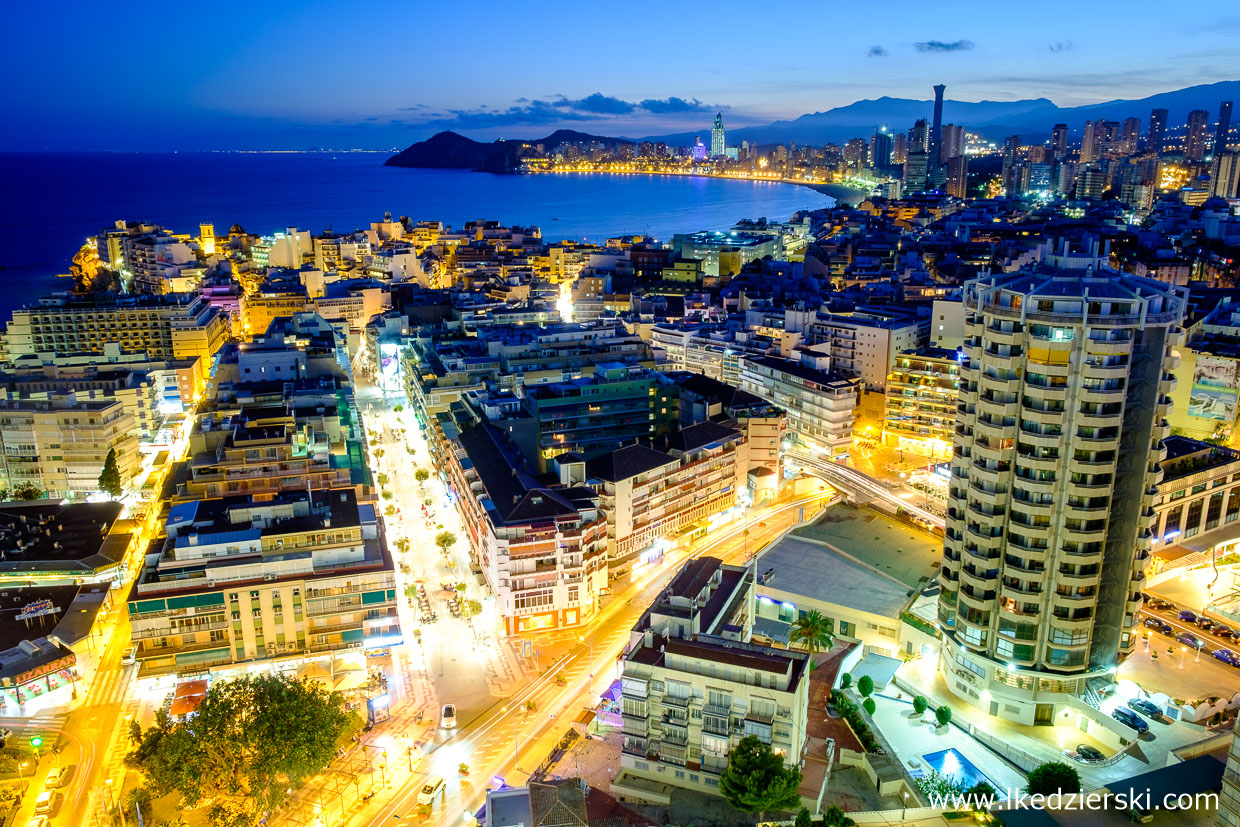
(187, 697)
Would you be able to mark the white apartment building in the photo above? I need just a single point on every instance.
(1064, 397)
(240, 580)
(542, 550)
(59, 444)
(821, 407)
(650, 495)
(865, 345)
(694, 684)
(172, 326)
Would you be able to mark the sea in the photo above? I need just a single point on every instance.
(52, 202)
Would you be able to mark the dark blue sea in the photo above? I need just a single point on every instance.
(52, 202)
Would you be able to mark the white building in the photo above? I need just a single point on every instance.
(821, 407)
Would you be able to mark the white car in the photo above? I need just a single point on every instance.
(447, 716)
(57, 777)
(46, 802)
(431, 789)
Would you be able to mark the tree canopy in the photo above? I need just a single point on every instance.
(110, 477)
(250, 740)
(756, 779)
(813, 631)
(1054, 777)
(445, 540)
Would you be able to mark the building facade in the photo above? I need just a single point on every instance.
(240, 580)
(1064, 395)
(922, 390)
(820, 407)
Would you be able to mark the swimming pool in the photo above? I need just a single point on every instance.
(950, 762)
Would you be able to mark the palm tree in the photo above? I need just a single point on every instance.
(813, 631)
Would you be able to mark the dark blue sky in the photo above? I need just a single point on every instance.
(284, 75)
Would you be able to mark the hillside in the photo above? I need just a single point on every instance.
(448, 150)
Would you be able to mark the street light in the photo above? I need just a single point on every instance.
(21, 767)
(1183, 654)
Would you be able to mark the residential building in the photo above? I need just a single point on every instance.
(652, 497)
(717, 142)
(1158, 131)
(241, 580)
(1199, 496)
(1195, 137)
(59, 444)
(173, 326)
(1064, 394)
(598, 413)
(694, 684)
(820, 406)
(922, 391)
(732, 249)
(865, 343)
(542, 550)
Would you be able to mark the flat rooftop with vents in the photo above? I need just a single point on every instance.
(46, 541)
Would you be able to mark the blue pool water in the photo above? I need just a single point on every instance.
(950, 762)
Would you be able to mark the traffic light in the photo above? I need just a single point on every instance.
(36, 742)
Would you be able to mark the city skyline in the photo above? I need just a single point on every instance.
(291, 78)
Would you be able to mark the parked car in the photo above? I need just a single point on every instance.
(1227, 656)
(1159, 625)
(431, 789)
(1159, 604)
(1146, 707)
(1190, 640)
(447, 716)
(1225, 632)
(1130, 719)
(58, 776)
(46, 802)
(1205, 623)
(38, 821)
(1085, 752)
(1187, 616)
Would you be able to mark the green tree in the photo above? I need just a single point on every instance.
(1053, 777)
(445, 540)
(920, 704)
(26, 491)
(804, 819)
(865, 685)
(251, 740)
(813, 631)
(397, 408)
(845, 680)
(869, 706)
(756, 779)
(421, 475)
(833, 816)
(943, 715)
(382, 479)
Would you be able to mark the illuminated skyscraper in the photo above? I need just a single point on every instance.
(717, 144)
(899, 148)
(1224, 127)
(1064, 394)
(958, 176)
(1195, 138)
(1059, 141)
(953, 142)
(880, 148)
(1130, 138)
(1158, 130)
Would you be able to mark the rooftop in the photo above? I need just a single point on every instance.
(817, 572)
(805, 372)
(73, 537)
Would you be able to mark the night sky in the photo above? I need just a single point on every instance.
(283, 75)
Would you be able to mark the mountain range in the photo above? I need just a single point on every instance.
(995, 120)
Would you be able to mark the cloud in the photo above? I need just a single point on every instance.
(598, 104)
(877, 51)
(594, 107)
(941, 46)
(1059, 46)
(673, 105)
